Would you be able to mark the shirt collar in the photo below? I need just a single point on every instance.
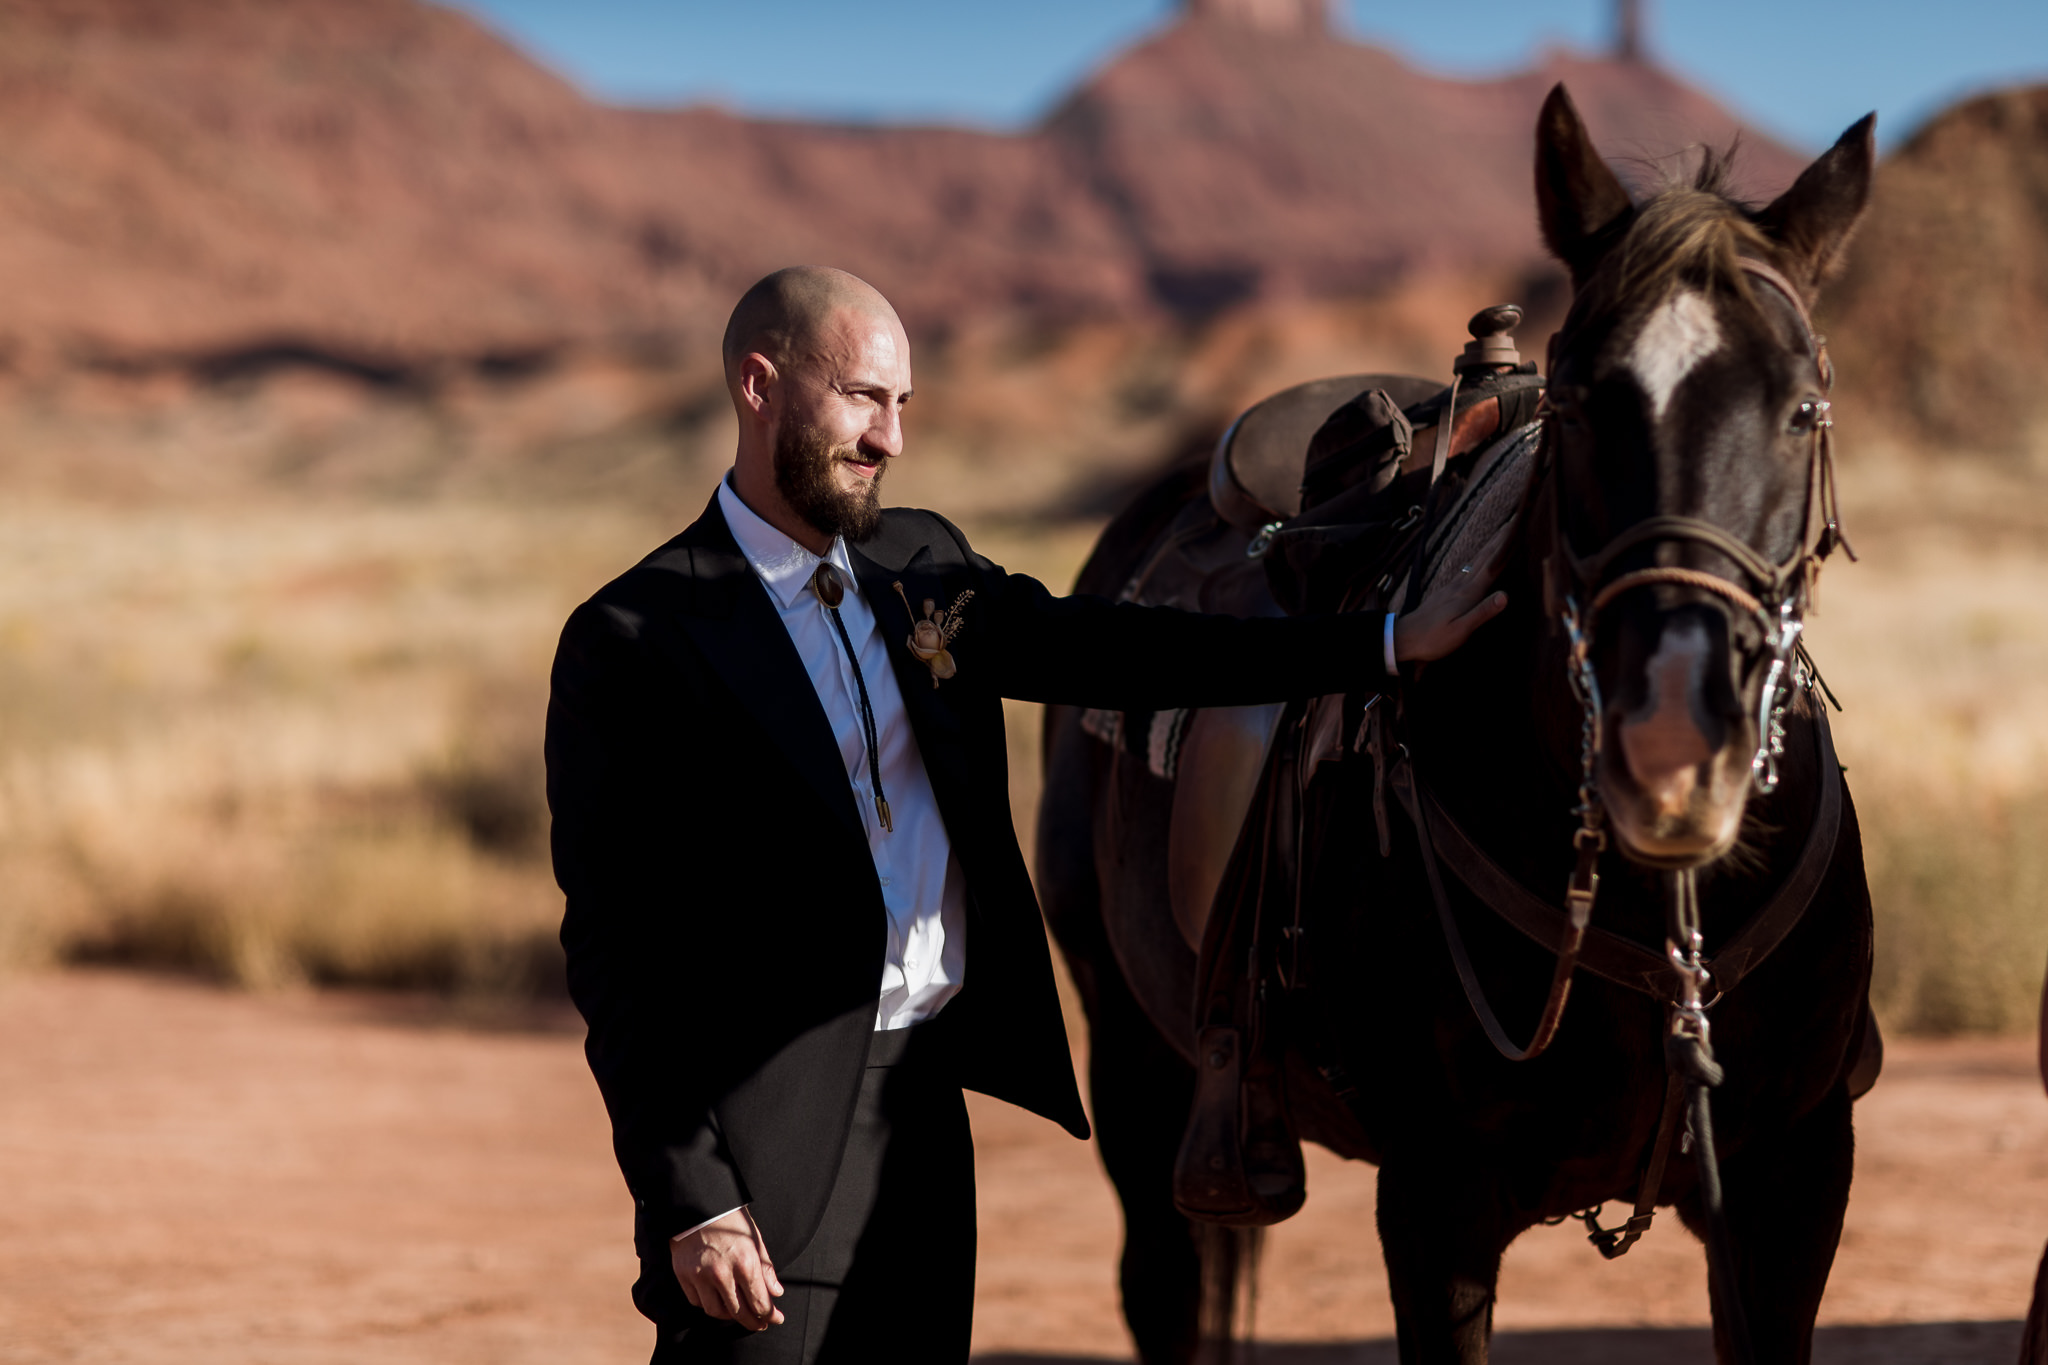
(784, 566)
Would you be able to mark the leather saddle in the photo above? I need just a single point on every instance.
(1317, 483)
(1261, 463)
(1285, 482)
(1212, 758)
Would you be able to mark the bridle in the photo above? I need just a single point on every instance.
(1776, 596)
(1683, 978)
(1576, 590)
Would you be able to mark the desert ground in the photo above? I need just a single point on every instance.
(296, 1178)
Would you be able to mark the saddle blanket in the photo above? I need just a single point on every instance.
(1498, 489)
(1154, 736)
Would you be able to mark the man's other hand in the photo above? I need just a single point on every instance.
(1446, 617)
(724, 1270)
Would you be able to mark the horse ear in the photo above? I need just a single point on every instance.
(1581, 203)
(1814, 219)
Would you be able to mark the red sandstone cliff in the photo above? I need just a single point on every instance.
(385, 185)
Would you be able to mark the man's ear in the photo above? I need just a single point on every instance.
(1814, 219)
(757, 382)
(1579, 201)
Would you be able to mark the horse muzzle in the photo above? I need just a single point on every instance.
(1675, 765)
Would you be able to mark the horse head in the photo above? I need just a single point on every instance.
(1689, 488)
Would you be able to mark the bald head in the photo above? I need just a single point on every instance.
(785, 317)
(819, 370)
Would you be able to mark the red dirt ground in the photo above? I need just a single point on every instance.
(188, 1175)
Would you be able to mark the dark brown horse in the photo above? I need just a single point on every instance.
(1680, 501)
(2034, 1345)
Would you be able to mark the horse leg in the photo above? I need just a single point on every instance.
(2034, 1345)
(1443, 1230)
(1141, 1088)
(1784, 1196)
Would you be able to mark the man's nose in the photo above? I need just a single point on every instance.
(885, 433)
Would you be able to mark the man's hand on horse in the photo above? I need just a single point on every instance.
(1447, 616)
(725, 1270)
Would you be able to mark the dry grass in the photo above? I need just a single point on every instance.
(277, 744)
(1938, 645)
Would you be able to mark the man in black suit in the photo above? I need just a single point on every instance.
(798, 921)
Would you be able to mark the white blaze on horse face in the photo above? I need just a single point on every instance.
(1675, 339)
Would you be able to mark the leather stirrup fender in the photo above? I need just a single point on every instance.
(1208, 1172)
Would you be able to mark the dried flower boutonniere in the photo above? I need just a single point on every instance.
(931, 633)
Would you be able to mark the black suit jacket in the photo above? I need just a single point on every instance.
(725, 929)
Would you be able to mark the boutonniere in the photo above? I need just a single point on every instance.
(931, 633)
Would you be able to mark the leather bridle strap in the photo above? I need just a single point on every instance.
(1685, 578)
(1772, 276)
(1567, 947)
(1608, 955)
(1776, 582)
(1594, 567)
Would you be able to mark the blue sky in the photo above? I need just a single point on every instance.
(1801, 70)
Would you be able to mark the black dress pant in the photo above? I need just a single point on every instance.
(890, 1274)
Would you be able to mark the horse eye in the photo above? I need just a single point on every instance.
(1804, 418)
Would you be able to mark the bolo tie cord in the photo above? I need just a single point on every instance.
(828, 589)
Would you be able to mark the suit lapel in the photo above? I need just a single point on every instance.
(735, 625)
(932, 716)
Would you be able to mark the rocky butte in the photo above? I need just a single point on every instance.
(387, 188)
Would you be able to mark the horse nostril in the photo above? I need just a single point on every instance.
(1663, 742)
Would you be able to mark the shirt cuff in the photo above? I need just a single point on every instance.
(705, 1224)
(1387, 647)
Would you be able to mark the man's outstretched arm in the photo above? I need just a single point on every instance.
(1089, 651)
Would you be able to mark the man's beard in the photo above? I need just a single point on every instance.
(805, 459)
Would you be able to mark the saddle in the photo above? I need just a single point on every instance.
(1304, 490)
(1240, 1160)
(1304, 479)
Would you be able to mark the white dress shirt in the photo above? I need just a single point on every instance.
(922, 886)
(921, 883)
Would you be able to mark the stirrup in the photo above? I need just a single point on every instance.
(1239, 1164)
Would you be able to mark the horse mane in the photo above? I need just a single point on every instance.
(1688, 233)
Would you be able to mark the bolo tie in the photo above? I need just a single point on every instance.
(828, 589)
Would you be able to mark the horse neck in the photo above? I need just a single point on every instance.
(1499, 712)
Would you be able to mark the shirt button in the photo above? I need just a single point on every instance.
(885, 881)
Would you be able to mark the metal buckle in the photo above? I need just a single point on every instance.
(1584, 886)
(1263, 541)
(1612, 1242)
(1771, 702)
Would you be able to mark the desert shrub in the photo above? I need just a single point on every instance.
(1960, 893)
(404, 905)
(497, 797)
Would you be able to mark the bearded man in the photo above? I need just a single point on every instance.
(798, 921)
